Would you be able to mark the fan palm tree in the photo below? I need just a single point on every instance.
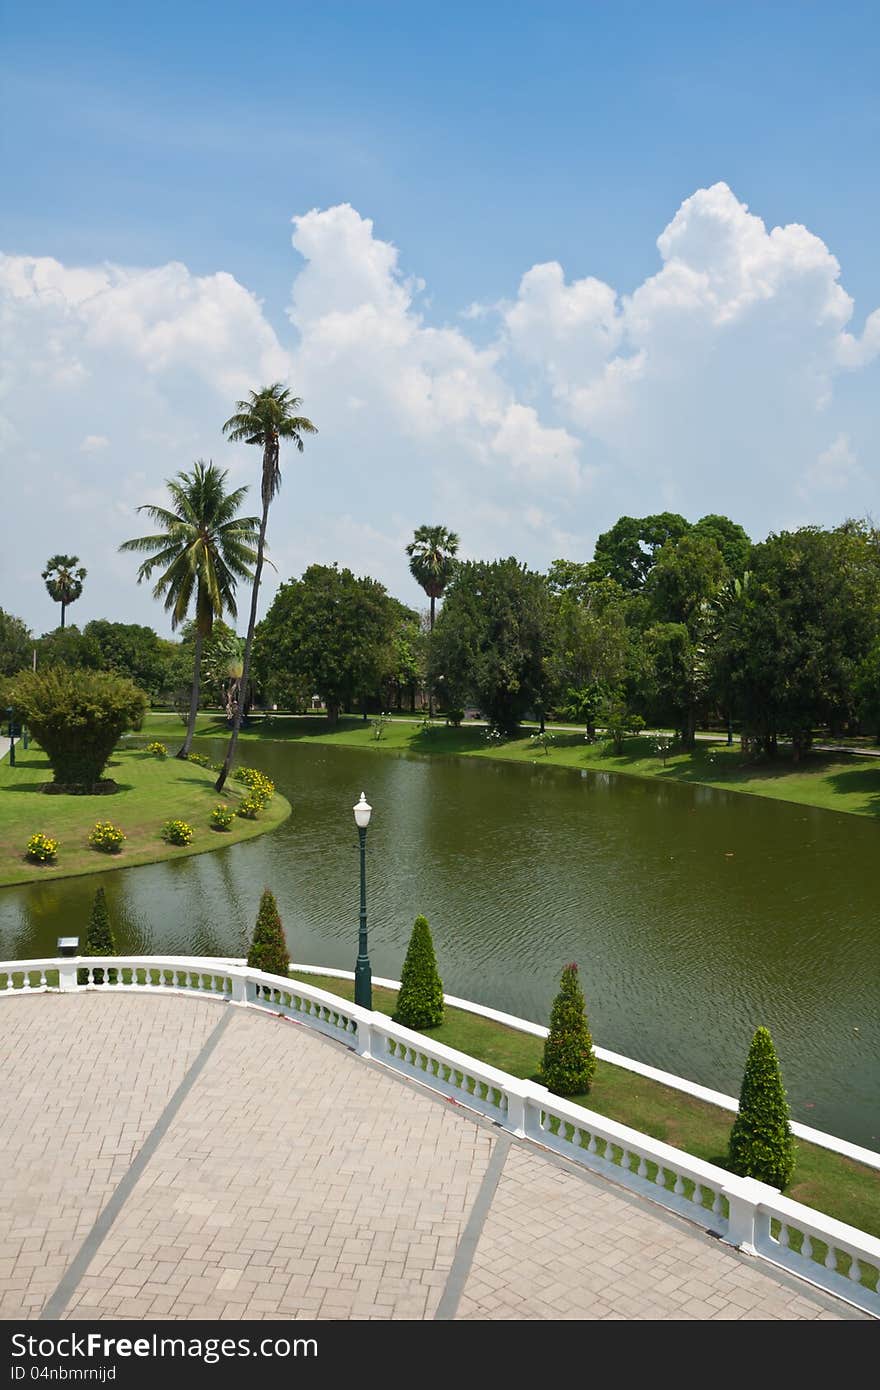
(431, 554)
(64, 580)
(204, 547)
(264, 419)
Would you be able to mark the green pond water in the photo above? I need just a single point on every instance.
(694, 915)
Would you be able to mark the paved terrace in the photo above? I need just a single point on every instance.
(165, 1157)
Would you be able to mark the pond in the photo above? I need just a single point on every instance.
(694, 915)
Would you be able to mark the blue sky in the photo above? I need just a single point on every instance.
(481, 142)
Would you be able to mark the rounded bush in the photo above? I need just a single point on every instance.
(77, 717)
(42, 849)
(157, 749)
(199, 759)
(177, 832)
(106, 837)
(222, 817)
(249, 808)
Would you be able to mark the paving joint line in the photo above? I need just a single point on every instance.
(67, 1285)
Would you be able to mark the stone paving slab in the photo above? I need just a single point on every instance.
(83, 1080)
(294, 1180)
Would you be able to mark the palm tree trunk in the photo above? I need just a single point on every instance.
(186, 746)
(63, 606)
(430, 690)
(249, 642)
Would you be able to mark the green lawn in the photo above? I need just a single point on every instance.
(152, 791)
(827, 1181)
(830, 781)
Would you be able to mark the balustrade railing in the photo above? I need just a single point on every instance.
(740, 1211)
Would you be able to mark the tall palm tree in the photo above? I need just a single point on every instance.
(64, 580)
(264, 419)
(432, 552)
(204, 547)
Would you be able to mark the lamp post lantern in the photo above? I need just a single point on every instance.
(363, 976)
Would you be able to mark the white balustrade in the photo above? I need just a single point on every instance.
(747, 1214)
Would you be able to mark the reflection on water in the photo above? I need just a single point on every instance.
(694, 915)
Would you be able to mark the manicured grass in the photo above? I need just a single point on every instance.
(152, 791)
(832, 782)
(824, 1180)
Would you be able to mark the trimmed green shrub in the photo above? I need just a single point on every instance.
(157, 749)
(268, 949)
(420, 1000)
(222, 817)
(42, 849)
(177, 832)
(249, 808)
(569, 1061)
(106, 837)
(77, 717)
(761, 1142)
(99, 941)
(200, 759)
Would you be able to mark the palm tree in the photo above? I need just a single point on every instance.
(64, 580)
(202, 550)
(267, 417)
(431, 554)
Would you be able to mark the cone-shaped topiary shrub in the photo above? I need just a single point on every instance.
(268, 949)
(99, 941)
(761, 1143)
(420, 1000)
(569, 1062)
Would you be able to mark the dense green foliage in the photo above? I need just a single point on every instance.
(761, 1142)
(99, 940)
(420, 999)
(569, 1061)
(268, 948)
(492, 641)
(330, 632)
(77, 717)
(16, 644)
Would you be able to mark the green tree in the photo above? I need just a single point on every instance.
(619, 719)
(867, 689)
(16, 644)
(790, 642)
(686, 573)
(679, 678)
(268, 949)
(589, 644)
(761, 1142)
(67, 646)
(569, 1061)
(130, 649)
(331, 631)
(64, 580)
(420, 998)
(627, 552)
(730, 539)
(263, 420)
(432, 552)
(77, 718)
(203, 549)
(492, 640)
(99, 940)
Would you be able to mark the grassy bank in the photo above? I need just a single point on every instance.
(151, 791)
(832, 782)
(823, 1180)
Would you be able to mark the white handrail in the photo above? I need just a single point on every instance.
(742, 1212)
